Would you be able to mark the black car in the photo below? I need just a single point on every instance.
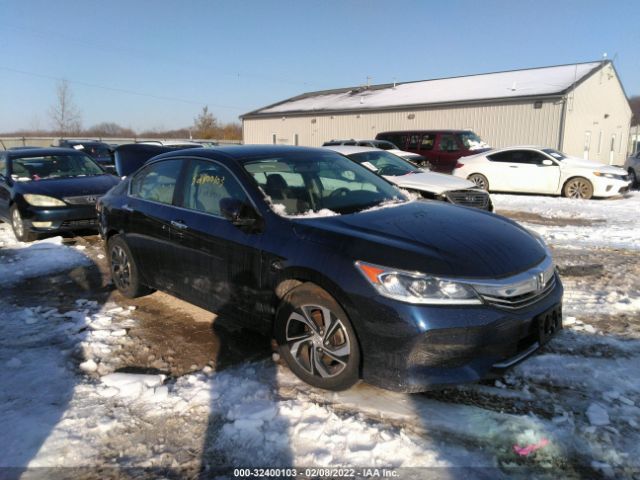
(101, 152)
(44, 190)
(353, 279)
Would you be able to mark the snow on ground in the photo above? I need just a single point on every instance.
(571, 410)
(611, 223)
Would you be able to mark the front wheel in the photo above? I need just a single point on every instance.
(124, 270)
(20, 231)
(480, 181)
(316, 339)
(633, 177)
(578, 188)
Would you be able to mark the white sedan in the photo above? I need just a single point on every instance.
(435, 186)
(542, 170)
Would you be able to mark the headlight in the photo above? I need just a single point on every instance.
(43, 201)
(610, 175)
(415, 287)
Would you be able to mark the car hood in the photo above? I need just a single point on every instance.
(431, 182)
(69, 187)
(582, 163)
(429, 236)
(402, 153)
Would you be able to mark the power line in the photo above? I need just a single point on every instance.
(122, 90)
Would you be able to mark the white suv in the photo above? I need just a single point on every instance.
(632, 165)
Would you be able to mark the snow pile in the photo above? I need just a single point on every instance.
(21, 261)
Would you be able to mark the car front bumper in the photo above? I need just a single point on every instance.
(415, 348)
(43, 219)
(608, 187)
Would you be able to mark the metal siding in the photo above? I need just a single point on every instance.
(586, 108)
(499, 124)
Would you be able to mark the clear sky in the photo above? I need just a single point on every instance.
(155, 64)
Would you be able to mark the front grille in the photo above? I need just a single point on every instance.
(89, 222)
(524, 300)
(469, 198)
(82, 200)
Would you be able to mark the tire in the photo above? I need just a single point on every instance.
(316, 339)
(19, 230)
(480, 181)
(578, 187)
(124, 270)
(634, 178)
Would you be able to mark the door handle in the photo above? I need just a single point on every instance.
(127, 208)
(178, 224)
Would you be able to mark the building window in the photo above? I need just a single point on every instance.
(274, 138)
(599, 142)
(295, 139)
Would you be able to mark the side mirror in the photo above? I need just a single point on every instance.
(110, 169)
(238, 212)
(547, 162)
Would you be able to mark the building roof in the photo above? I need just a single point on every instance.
(543, 81)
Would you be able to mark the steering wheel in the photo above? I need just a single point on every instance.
(340, 192)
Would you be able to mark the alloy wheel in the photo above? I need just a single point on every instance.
(480, 181)
(120, 267)
(578, 189)
(318, 341)
(17, 224)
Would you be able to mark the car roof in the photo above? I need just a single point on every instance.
(351, 149)
(37, 152)
(241, 152)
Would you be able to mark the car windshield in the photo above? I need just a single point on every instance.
(471, 141)
(316, 184)
(384, 163)
(24, 169)
(97, 152)
(554, 153)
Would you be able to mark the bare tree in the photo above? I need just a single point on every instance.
(205, 124)
(64, 114)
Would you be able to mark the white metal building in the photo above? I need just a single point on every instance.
(581, 109)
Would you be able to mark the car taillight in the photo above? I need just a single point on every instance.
(458, 165)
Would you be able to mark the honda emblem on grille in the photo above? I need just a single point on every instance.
(470, 198)
(91, 199)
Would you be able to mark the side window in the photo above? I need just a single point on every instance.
(157, 182)
(351, 143)
(536, 158)
(500, 157)
(448, 143)
(428, 141)
(206, 183)
(413, 142)
(3, 165)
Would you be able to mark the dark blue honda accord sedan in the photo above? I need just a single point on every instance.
(354, 280)
(44, 190)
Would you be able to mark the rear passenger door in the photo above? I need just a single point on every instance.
(220, 262)
(151, 208)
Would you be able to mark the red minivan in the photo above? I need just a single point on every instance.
(441, 148)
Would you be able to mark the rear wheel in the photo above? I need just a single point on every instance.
(316, 338)
(20, 231)
(124, 270)
(578, 188)
(480, 181)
